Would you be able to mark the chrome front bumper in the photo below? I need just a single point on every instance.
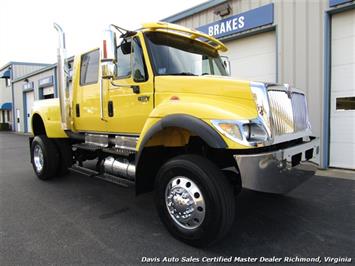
(278, 171)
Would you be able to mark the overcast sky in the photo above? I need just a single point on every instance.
(27, 33)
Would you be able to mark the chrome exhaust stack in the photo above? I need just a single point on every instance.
(62, 80)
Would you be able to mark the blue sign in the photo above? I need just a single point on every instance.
(338, 2)
(251, 19)
(28, 85)
(45, 82)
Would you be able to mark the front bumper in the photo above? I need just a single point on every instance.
(278, 171)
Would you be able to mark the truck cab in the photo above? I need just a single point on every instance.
(156, 109)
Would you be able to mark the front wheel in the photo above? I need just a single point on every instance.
(44, 157)
(194, 199)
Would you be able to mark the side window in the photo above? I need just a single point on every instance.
(138, 65)
(89, 68)
(124, 59)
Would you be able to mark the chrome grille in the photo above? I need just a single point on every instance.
(300, 112)
(289, 114)
(281, 110)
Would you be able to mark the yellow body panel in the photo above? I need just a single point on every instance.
(209, 97)
(204, 97)
(88, 98)
(49, 111)
(130, 113)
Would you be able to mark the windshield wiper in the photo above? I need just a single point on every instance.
(182, 74)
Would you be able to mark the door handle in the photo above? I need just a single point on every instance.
(77, 110)
(110, 108)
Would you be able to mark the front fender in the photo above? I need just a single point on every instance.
(192, 124)
(203, 110)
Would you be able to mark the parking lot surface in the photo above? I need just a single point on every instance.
(81, 220)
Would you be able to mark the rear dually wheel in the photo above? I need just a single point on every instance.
(44, 157)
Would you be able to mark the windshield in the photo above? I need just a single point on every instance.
(176, 55)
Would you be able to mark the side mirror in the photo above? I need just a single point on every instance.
(126, 47)
(226, 64)
(108, 55)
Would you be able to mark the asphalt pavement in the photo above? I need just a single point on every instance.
(82, 220)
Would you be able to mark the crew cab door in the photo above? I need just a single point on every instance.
(130, 95)
(86, 95)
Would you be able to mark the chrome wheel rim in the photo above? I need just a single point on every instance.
(185, 202)
(38, 158)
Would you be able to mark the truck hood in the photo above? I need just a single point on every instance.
(204, 85)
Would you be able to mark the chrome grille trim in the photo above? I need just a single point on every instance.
(300, 112)
(281, 112)
(289, 112)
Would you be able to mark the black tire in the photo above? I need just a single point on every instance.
(50, 157)
(217, 193)
(65, 156)
(234, 179)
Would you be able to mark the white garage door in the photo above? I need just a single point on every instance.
(254, 57)
(30, 97)
(342, 113)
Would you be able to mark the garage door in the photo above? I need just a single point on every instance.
(254, 57)
(30, 96)
(342, 116)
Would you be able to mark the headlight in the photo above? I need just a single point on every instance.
(254, 132)
(246, 132)
(230, 129)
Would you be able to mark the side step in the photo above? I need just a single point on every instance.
(107, 177)
(87, 146)
(94, 148)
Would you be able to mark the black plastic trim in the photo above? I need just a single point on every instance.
(188, 122)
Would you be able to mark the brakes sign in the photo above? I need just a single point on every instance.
(251, 19)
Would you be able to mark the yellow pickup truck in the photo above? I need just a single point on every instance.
(156, 109)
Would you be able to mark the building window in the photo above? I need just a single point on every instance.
(46, 92)
(8, 82)
(89, 68)
(345, 103)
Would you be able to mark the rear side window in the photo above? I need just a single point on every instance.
(89, 68)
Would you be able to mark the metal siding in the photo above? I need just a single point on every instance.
(21, 70)
(301, 57)
(301, 46)
(5, 92)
